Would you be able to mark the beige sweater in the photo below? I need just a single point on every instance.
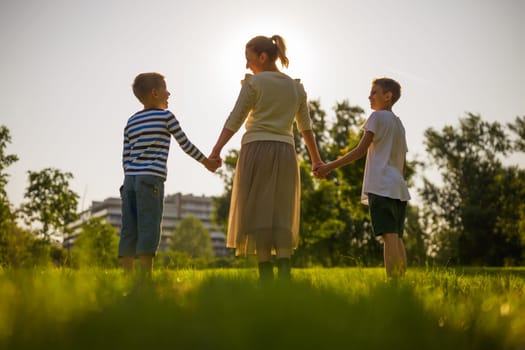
(270, 101)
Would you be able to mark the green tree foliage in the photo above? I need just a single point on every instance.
(222, 203)
(192, 237)
(18, 247)
(319, 128)
(26, 251)
(23, 250)
(50, 201)
(518, 127)
(7, 217)
(5, 160)
(475, 215)
(335, 227)
(96, 245)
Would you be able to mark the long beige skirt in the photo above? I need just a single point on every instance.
(266, 198)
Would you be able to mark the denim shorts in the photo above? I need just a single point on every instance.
(142, 205)
(387, 214)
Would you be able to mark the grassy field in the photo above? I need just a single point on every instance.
(351, 308)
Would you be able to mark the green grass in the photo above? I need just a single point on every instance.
(351, 308)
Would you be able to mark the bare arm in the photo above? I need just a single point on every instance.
(356, 153)
(224, 137)
(311, 145)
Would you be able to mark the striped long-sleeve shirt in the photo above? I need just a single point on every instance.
(147, 137)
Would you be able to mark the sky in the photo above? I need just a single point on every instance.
(66, 69)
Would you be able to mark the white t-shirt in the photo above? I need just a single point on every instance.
(385, 157)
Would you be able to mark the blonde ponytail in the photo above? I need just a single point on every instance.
(274, 47)
(281, 49)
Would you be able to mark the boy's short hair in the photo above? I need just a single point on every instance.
(145, 82)
(389, 85)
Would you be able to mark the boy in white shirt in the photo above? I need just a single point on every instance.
(384, 187)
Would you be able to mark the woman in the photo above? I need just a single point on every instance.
(265, 204)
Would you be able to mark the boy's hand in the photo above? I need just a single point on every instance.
(212, 164)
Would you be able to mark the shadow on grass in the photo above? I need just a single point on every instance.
(223, 313)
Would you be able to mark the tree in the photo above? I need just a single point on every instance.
(318, 127)
(222, 203)
(518, 127)
(473, 214)
(7, 217)
(96, 245)
(50, 201)
(26, 251)
(348, 119)
(416, 238)
(5, 160)
(191, 237)
(19, 247)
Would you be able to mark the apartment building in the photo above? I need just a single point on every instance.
(176, 207)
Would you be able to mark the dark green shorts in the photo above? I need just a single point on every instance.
(387, 214)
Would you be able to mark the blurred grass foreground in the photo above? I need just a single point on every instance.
(350, 308)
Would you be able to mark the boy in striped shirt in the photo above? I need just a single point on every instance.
(147, 137)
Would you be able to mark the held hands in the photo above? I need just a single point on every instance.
(214, 161)
(212, 164)
(321, 170)
(316, 166)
